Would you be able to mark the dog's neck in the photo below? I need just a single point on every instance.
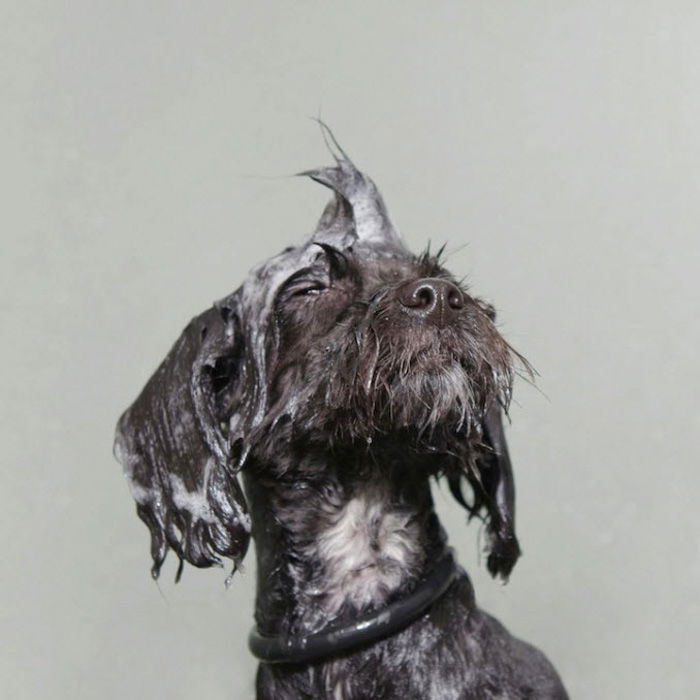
(334, 541)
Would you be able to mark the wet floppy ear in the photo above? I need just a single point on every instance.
(173, 444)
(491, 479)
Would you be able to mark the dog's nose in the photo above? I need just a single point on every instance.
(436, 300)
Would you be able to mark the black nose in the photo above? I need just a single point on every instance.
(436, 300)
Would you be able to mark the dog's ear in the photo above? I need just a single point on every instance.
(491, 479)
(173, 444)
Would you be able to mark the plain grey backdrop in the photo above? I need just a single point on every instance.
(147, 149)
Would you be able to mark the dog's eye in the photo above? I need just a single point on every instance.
(308, 281)
(307, 289)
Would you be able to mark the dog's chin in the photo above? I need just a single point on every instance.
(430, 402)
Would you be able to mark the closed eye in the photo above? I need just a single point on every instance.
(310, 289)
(304, 282)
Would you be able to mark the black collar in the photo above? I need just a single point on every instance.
(368, 628)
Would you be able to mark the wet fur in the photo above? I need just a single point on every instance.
(338, 406)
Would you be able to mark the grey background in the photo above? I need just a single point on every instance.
(146, 149)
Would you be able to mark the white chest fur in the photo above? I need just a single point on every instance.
(367, 548)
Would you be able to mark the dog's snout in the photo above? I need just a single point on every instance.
(436, 300)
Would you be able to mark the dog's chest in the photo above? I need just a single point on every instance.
(366, 548)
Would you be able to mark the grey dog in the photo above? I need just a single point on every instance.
(338, 380)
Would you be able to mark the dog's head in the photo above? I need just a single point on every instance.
(348, 341)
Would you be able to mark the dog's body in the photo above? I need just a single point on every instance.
(342, 376)
(351, 552)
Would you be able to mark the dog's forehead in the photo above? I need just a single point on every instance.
(260, 288)
(355, 220)
(265, 279)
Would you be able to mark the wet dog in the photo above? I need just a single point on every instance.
(338, 380)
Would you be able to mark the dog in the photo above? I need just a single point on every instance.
(341, 378)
